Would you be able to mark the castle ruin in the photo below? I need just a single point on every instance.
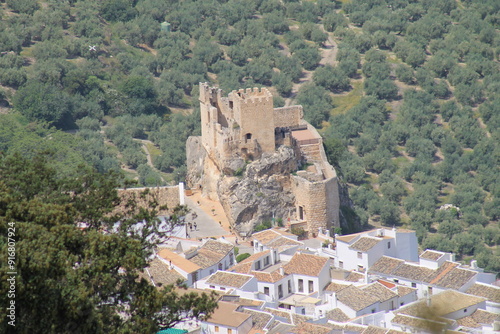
(243, 133)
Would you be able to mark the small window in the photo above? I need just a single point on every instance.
(289, 286)
(465, 310)
(341, 264)
(212, 286)
(229, 331)
(222, 288)
(257, 265)
(220, 266)
(248, 136)
(389, 244)
(401, 304)
(301, 285)
(361, 268)
(266, 260)
(429, 290)
(413, 285)
(280, 291)
(266, 290)
(373, 310)
(396, 281)
(216, 329)
(311, 286)
(360, 255)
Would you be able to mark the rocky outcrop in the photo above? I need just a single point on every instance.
(249, 192)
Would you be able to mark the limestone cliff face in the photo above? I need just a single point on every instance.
(250, 193)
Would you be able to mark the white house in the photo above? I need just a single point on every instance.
(227, 319)
(361, 250)
(311, 273)
(242, 285)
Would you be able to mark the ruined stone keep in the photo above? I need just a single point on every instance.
(262, 162)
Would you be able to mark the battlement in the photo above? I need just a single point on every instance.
(251, 96)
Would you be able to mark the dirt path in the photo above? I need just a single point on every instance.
(144, 143)
(328, 56)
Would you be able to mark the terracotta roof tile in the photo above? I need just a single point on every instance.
(374, 330)
(431, 255)
(306, 264)
(299, 318)
(479, 318)
(365, 244)
(413, 272)
(442, 304)
(178, 261)
(335, 287)
(386, 265)
(263, 276)
(405, 290)
(218, 247)
(309, 328)
(226, 314)
(284, 241)
(336, 315)
(266, 236)
(454, 278)
(425, 324)
(242, 268)
(278, 313)
(356, 298)
(354, 277)
(259, 319)
(225, 278)
(161, 273)
(206, 258)
(490, 292)
(380, 291)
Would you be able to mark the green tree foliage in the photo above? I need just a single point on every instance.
(331, 78)
(316, 102)
(54, 255)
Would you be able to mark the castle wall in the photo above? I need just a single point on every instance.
(253, 111)
(288, 116)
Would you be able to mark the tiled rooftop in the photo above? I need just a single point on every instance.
(259, 319)
(178, 261)
(218, 247)
(413, 272)
(405, 290)
(386, 265)
(284, 241)
(337, 315)
(206, 258)
(454, 279)
(299, 318)
(479, 318)
(431, 255)
(224, 278)
(425, 324)
(356, 298)
(335, 287)
(262, 276)
(227, 315)
(305, 264)
(442, 304)
(380, 291)
(266, 236)
(278, 313)
(242, 267)
(309, 328)
(364, 244)
(354, 277)
(374, 330)
(490, 292)
(161, 273)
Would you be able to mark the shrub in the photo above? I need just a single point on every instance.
(242, 257)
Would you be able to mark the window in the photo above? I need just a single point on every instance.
(465, 310)
(212, 286)
(301, 285)
(257, 265)
(280, 291)
(195, 276)
(396, 281)
(360, 255)
(222, 288)
(289, 286)
(429, 290)
(216, 329)
(231, 262)
(389, 245)
(373, 310)
(341, 264)
(266, 260)
(266, 290)
(311, 286)
(361, 268)
(248, 136)
(301, 213)
(413, 285)
(220, 266)
(229, 331)
(402, 304)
